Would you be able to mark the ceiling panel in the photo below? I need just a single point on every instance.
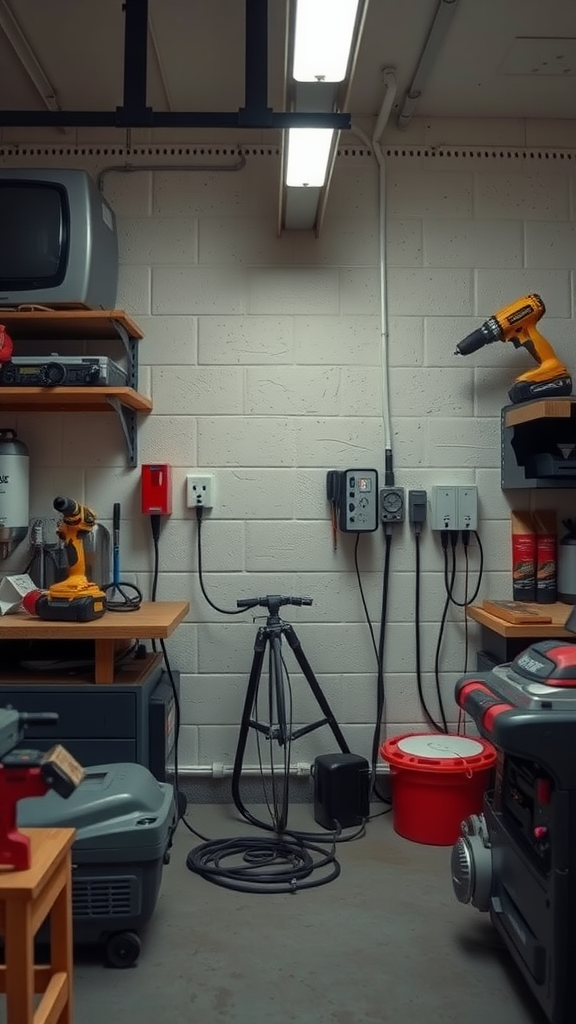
(469, 77)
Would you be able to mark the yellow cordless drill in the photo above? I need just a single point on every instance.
(517, 323)
(74, 599)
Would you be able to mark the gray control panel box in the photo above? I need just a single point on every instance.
(358, 501)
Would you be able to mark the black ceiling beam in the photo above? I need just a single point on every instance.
(136, 114)
(174, 119)
(135, 62)
(256, 66)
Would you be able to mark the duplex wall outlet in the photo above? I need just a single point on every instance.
(443, 508)
(467, 508)
(200, 490)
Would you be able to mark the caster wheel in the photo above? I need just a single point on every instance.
(182, 804)
(123, 949)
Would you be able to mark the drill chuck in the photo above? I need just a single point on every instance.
(66, 506)
(489, 331)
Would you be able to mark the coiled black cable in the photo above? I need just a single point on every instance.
(254, 864)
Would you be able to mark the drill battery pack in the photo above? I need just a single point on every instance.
(75, 609)
(341, 790)
(528, 391)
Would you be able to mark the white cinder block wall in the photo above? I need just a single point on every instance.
(262, 359)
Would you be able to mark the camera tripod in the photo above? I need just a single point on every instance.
(279, 727)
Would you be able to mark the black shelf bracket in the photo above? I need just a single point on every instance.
(131, 349)
(127, 418)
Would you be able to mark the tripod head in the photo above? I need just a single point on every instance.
(273, 602)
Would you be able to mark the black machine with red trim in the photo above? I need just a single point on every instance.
(517, 860)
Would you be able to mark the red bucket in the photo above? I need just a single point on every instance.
(437, 781)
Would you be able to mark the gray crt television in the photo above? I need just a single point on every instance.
(58, 242)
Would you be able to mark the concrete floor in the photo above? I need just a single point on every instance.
(386, 941)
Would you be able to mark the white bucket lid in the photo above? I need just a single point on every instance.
(440, 747)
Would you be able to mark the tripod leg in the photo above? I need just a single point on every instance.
(277, 684)
(314, 685)
(249, 702)
(278, 697)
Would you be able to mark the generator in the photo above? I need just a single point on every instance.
(517, 860)
(124, 820)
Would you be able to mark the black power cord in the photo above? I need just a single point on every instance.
(380, 685)
(449, 586)
(379, 654)
(445, 536)
(223, 611)
(281, 864)
(419, 683)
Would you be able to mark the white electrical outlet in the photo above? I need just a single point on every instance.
(443, 508)
(200, 490)
(467, 508)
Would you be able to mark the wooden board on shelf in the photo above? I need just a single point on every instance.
(74, 324)
(558, 614)
(517, 611)
(541, 409)
(72, 399)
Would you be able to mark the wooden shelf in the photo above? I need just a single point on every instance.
(57, 324)
(541, 409)
(534, 630)
(79, 325)
(154, 620)
(81, 399)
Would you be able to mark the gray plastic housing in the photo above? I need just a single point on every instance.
(121, 813)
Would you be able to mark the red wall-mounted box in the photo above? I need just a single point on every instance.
(156, 484)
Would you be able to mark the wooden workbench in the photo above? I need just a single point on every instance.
(504, 640)
(154, 620)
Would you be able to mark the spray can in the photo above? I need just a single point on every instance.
(14, 491)
(567, 563)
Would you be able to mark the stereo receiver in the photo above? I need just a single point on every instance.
(62, 371)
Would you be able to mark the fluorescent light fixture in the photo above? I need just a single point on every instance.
(308, 156)
(323, 39)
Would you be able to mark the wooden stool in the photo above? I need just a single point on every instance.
(27, 898)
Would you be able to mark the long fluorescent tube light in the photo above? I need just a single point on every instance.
(308, 156)
(322, 39)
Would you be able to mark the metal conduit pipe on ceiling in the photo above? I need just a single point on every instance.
(436, 38)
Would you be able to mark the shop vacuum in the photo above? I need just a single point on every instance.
(517, 860)
(124, 820)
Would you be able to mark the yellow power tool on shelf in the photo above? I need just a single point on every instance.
(517, 323)
(74, 599)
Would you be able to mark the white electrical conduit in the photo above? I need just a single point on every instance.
(220, 771)
(128, 168)
(389, 79)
